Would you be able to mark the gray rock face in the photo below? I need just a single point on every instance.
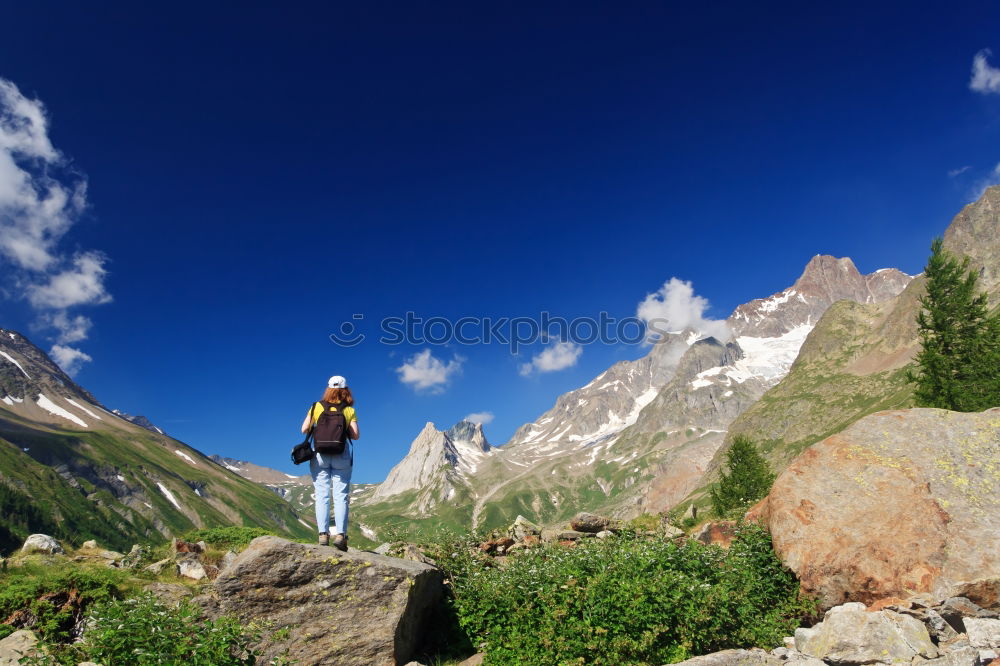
(753, 657)
(437, 458)
(22, 643)
(849, 636)
(973, 233)
(42, 543)
(342, 608)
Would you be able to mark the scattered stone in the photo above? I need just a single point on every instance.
(89, 544)
(573, 535)
(181, 546)
(170, 594)
(42, 543)
(983, 633)
(193, 568)
(158, 567)
(672, 532)
(523, 528)
(849, 635)
(227, 559)
(474, 660)
(752, 657)
(111, 555)
(589, 522)
(414, 554)
(21, 643)
(604, 534)
(353, 608)
(134, 557)
(383, 549)
(879, 510)
(720, 533)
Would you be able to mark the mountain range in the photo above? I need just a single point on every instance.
(73, 466)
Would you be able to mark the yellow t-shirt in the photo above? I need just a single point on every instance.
(349, 414)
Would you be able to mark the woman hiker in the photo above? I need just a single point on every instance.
(332, 421)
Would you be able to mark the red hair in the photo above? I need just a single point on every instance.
(338, 395)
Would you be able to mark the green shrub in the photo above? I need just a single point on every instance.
(50, 599)
(142, 630)
(749, 479)
(227, 538)
(626, 600)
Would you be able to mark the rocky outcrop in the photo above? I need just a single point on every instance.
(849, 634)
(42, 543)
(341, 608)
(901, 502)
(20, 644)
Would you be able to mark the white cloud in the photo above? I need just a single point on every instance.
(40, 200)
(482, 418)
(80, 284)
(70, 329)
(425, 372)
(985, 78)
(559, 356)
(68, 358)
(958, 172)
(675, 307)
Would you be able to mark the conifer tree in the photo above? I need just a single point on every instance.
(749, 478)
(958, 367)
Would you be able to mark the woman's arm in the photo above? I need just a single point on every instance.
(355, 433)
(307, 422)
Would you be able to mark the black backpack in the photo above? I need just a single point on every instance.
(330, 433)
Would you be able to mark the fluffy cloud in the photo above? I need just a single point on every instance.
(675, 307)
(40, 200)
(985, 78)
(559, 356)
(425, 372)
(68, 358)
(481, 418)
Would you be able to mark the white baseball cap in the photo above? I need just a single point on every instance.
(337, 382)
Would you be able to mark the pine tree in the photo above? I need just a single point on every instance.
(749, 478)
(959, 362)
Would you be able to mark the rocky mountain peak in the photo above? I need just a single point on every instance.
(467, 431)
(824, 281)
(975, 233)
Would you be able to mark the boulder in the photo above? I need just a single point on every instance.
(983, 633)
(42, 543)
(170, 594)
(850, 635)
(522, 527)
(22, 643)
(901, 502)
(89, 544)
(589, 522)
(195, 569)
(342, 608)
(474, 660)
(158, 567)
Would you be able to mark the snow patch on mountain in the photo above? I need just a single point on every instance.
(767, 359)
(169, 495)
(11, 359)
(185, 456)
(83, 409)
(53, 408)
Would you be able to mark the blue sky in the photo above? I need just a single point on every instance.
(257, 175)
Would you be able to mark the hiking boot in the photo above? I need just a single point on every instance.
(324, 539)
(340, 542)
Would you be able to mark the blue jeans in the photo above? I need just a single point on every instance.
(330, 472)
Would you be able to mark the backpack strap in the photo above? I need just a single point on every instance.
(312, 421)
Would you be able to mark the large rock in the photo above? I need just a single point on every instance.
(901, 502)
(849, 635)
(22, 643)
(341, 608)
(42, 543)
(752, 657)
